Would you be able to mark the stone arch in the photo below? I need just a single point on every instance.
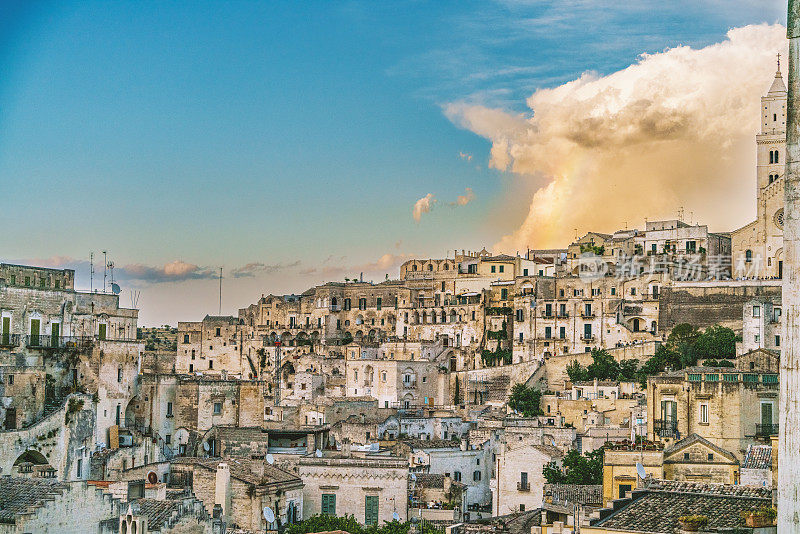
(31, 456)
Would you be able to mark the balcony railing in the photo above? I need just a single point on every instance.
(665, 428)
(587, 338)
(410, 385)
(563, 315)
(335, 307)
(766, 430)
(589, 315)
(523, 486)
(57, 342)
(547, 315)
(9, 340)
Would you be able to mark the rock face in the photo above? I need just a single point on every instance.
(789, 446)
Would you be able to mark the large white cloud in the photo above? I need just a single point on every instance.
(673, 130)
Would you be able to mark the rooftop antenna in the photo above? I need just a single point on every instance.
(105, 269)
(91, 272)
(135, 298)
(220, 291)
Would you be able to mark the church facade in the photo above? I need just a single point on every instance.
(757, 248)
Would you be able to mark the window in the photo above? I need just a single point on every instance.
(503, 294)
(756, 311)
(78, 471)
(119, 374)
(371, 510)
(217, 408)
(476, 476)
(379, 302)
(624, 490)
(524, 272)
(710, 456)
(210, 364)
(501, 268)
(547, 332)
(186, 338)
(457, 476)
(521, 507)
(748, 256)
(329, 504)
(218, 332)
(168, 439)
(685, 455)
(704, 414)
(777, 341)
(493, 268)
(169, 409)
(613, 291)
(118, 417)
(10, 380)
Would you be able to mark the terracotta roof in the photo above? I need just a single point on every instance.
(433, 481)
(657, 508)
(758, 457)
(243, 469)
(157, 512)
(432, 443)
(584, 494)
(21, 495)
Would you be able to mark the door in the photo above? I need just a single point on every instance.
(102, 332)
(766, 418)
(34, 342)
(371, 510)
(55, 334)
(780, 269)
(6, 330)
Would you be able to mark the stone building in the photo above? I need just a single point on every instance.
(242, 487)
(370, 487)
(730, 407)
(762, 325)
(518, 482)
(757, 248)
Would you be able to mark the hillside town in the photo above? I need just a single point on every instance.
(628, 382)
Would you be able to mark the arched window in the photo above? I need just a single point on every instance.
(772, 156)
(430, 266)
(776, 157)
(748, 255)
(414, 267)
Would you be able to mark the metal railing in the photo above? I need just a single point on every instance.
(57, 342)
(9, 340)
(766, 430)
(523, 486)
(665, 428)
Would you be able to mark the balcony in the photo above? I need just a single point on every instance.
(9, 340)
(335, 307)
(587, 338)
(58, 342)
(524, 486)
(589, 315)
(563, 315)
(765, 431)
(666, 428)
(410, 385)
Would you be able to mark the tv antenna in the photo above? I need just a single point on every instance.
(135, 293)
(105, 269)
(91, 272)
(220, 291)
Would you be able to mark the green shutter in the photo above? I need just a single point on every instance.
(329, 504)
(102, 333)
(55, 332)
(371, 510)
(6, 330)
(34, 333)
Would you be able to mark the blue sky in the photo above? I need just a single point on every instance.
(288, 134)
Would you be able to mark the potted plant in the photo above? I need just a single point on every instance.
(693, 523)
(760, 517)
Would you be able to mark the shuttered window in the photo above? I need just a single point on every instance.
(371, 510)
(329, 504)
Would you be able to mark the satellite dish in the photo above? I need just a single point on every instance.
(318, 453)
(205, 446)
(270, 459)
(413, 477)
(395, 516)
(640, 471)
(152, 478)
(269, 515)
(115, 288)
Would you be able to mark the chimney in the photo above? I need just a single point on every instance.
(789, 423)
(222, 494)
(447, 485)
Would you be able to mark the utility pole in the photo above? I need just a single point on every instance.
(220, 291)
(105, 269)
(91, 272)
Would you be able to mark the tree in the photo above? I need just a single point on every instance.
(628, 370)
(603, 366)
(525, 400)
(576, 468)
(717, 342)
(576, 372)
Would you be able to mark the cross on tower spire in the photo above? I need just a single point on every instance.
(779, 61)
